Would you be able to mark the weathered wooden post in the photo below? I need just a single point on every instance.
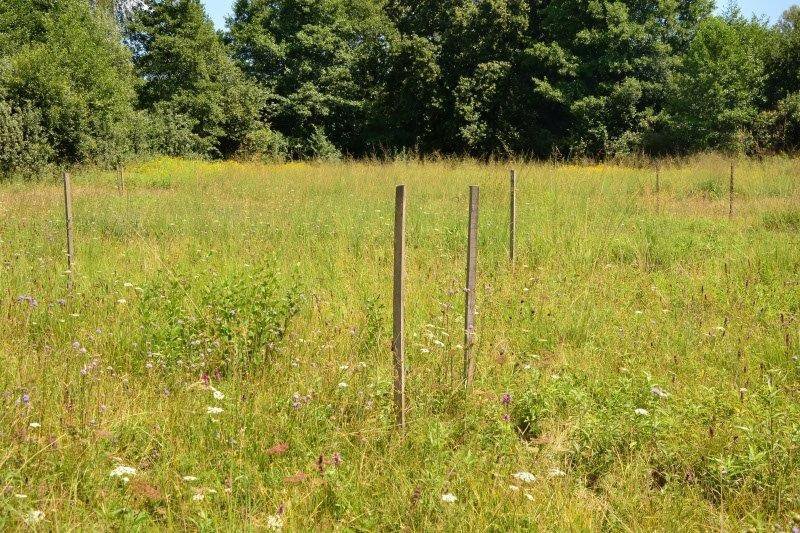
(120, 179)
(512, 221)
(398, 341)
(469, 306)
(68, 216)
(658, 188)
(730, 192)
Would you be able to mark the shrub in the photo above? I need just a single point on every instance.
(23, 145)
(234, 322)
(67, 63)
(263, 144)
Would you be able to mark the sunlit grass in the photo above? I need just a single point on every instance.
(271, 284)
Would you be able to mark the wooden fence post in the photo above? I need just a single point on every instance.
(469, 305)
(398, 341)
(512, 230)
(658, 188)
(730, 192)
(68, 217)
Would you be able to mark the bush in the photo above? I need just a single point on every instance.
(169, 132)
(319, 147)
(263, 144)
(787, 124)
(69, 65)
(23, 144)
(234, 323)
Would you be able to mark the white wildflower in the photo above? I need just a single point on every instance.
(525, 477)
(642, 412)
(189, 478)
(274, 522)
(122, 301)
(34, 516)
(213, 410)
(35, 425)
(449, 497)
(658, 392)
(513, 488)
(529, 496)
(198, 497)
(217, 394)
(556, 472)
(123, 472)
(21, 496)
(128, 285)
(342, 385)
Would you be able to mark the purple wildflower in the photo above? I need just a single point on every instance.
(336, 459)
(506, 399)
(27, 298)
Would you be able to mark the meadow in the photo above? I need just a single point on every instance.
(224, 363)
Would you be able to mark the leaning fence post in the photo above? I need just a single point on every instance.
(730, 192)
(469, 305)
(512, 229)
(68, 217)
(398, 341)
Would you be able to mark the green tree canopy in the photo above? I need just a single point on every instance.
(315, 60)
(186, 71)
(66, 82)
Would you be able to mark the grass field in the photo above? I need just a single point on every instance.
(228, 341)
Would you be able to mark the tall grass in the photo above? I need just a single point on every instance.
(642, 363)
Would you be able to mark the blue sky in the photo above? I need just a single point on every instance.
(219, 9)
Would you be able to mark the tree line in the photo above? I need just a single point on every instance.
(100, 81)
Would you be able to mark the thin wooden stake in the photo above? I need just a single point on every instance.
(658, 189)
(120, 179)
(398, 340)
(730, 193)
(68, 216)
(469, 305)
(512, 219)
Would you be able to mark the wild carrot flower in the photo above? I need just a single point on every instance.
(33, 517)
(658, 392)
(449, 497)
(525, 477)
(642, 412)
(275, 522)
(213, 410)
(123, 472)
